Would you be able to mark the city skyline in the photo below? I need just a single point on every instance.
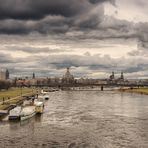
(93, 37)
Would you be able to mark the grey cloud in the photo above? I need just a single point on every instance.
(35, 50)
(36, 10)
(44, 26)
(52, 65)
(70, 20)
(95, 63)
(61, 16)
(83, 16)
(5, 58)
(134, 69)
(141, 34)
(28, 9)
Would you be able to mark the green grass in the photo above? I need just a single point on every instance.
(2, 107)
(138, 90)
(14, 92)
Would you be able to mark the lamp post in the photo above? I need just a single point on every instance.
(21, 90)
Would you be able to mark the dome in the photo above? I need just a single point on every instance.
(68, 77)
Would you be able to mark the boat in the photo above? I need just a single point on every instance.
(15, 113)
(44, 97)
(43, 92)
(27, 102)
(39, 106)
(27, 112)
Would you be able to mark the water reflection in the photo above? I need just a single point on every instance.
(83, 119)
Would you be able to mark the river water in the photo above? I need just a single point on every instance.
(83, 119)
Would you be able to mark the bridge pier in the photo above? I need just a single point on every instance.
(102, 88)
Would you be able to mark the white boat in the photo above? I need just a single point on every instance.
(39, 106)
(15, 113)
(27, 112)
(27, 102)
(44, 97)
(43, 92)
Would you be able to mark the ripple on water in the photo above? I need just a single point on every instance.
(83, 119)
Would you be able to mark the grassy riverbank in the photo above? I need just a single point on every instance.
(14, 92)
(13, 95)
(137, 90)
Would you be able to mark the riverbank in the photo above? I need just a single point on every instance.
(136, 90)
(13, 96)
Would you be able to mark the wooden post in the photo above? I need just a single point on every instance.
(3, 100)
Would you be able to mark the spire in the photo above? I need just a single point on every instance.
(68, 69)
(33, 76)
(113, 75)
(122, 76)
(7, 74)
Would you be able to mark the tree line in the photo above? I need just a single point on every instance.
(4, 84)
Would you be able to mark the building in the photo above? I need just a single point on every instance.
(4, 74)
(112, 76)
(68, 78)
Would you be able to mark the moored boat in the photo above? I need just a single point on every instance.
(45, 97)
(15, 113)
(27, 112)
(39, 106)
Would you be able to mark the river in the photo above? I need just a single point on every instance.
(83, 119)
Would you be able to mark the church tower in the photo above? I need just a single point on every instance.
(112, 76)
(33, 76)
(7, 74)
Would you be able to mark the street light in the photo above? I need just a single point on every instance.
(21, 89)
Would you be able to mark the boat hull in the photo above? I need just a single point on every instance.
(14, 114)
(25, 117)
(14, 117)
(46, 98)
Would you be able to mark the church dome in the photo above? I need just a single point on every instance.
(68, 77)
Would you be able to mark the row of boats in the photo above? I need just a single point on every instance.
(29, 108)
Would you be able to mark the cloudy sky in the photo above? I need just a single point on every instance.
(93, 37)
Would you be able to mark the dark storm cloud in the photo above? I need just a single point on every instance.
(30, 9)
(96, 1)
(48, 16)
(64, 16)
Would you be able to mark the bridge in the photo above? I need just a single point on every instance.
(101, 86)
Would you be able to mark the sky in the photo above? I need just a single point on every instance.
(92, 37)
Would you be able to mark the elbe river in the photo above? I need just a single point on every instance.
(83, 119)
